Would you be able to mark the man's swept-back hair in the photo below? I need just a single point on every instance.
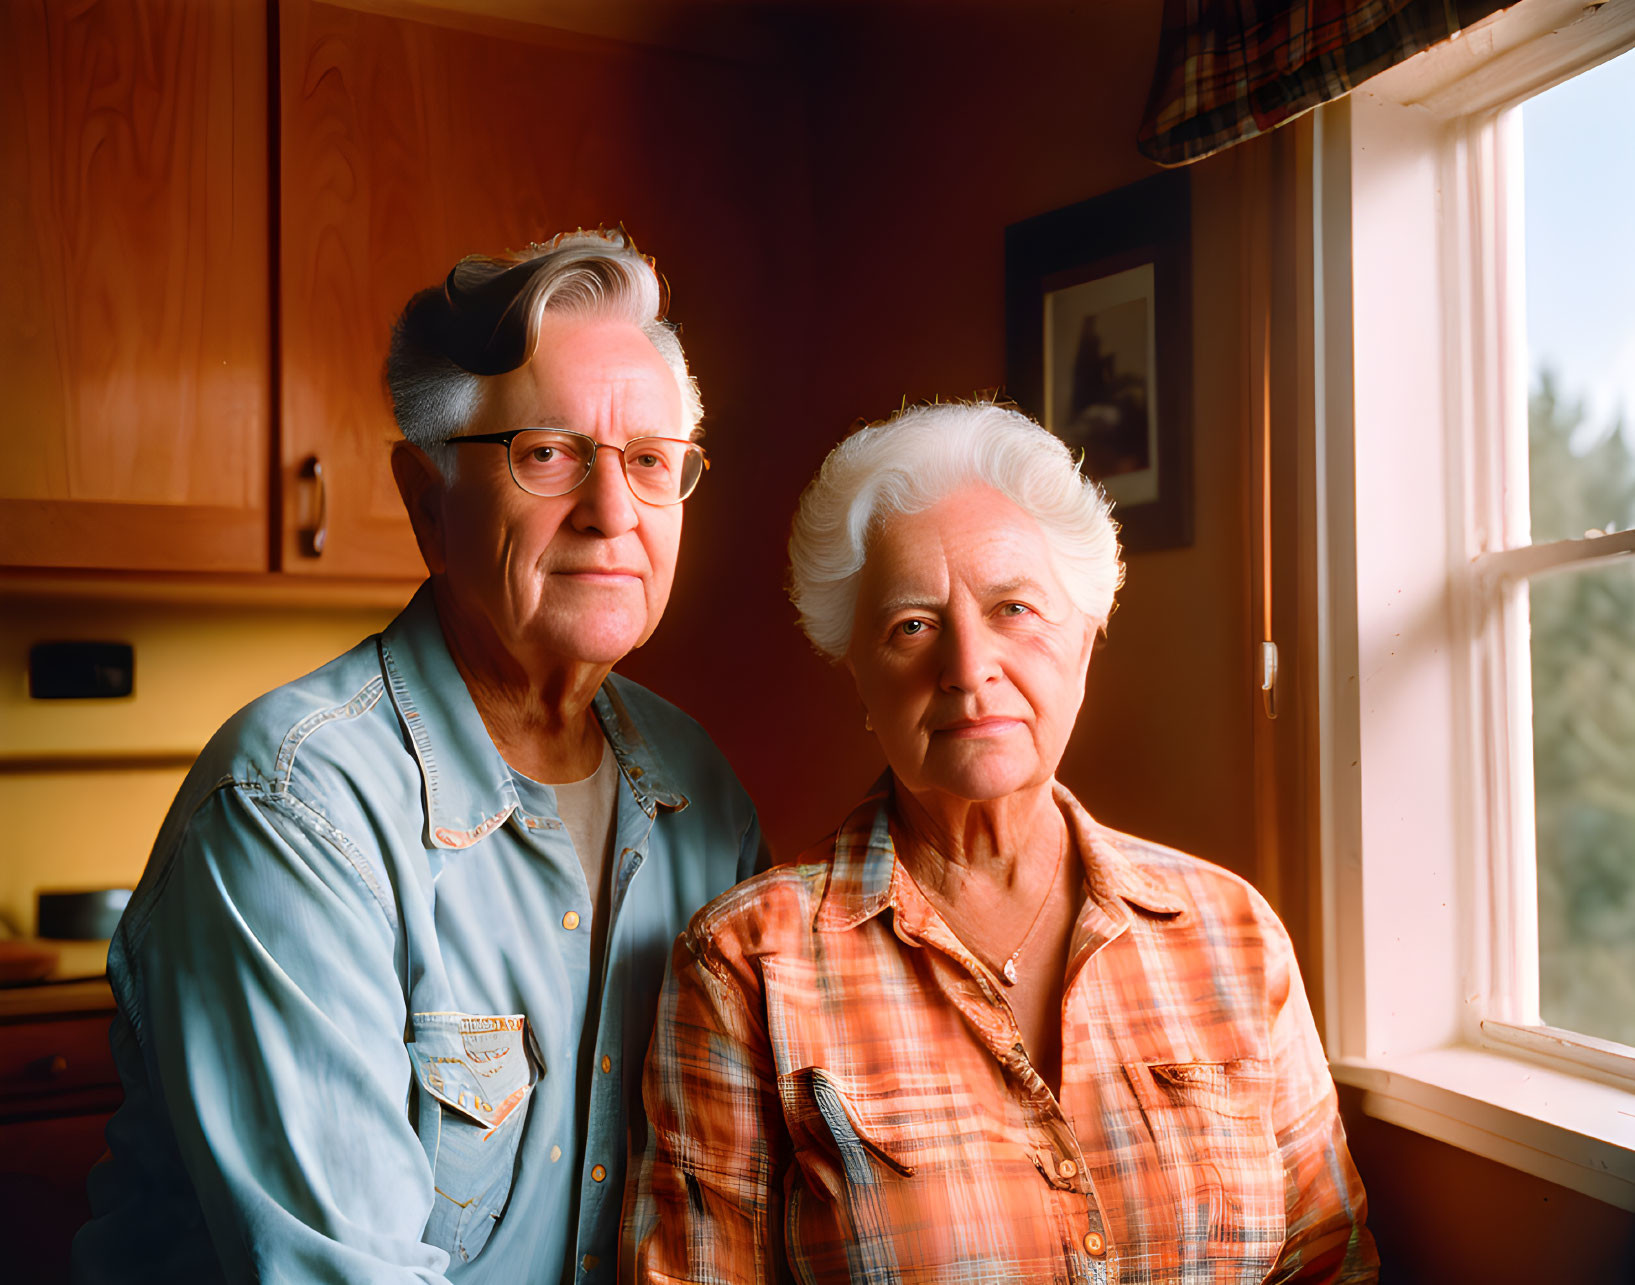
(919, 457)
(484, 320)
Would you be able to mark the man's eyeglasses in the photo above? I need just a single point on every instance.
(553, 461)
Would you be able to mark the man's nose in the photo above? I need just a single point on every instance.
(605, 503)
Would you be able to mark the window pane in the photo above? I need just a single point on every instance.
(1583, 649)
(1579, 162)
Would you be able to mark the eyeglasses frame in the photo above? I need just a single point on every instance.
(506, 438)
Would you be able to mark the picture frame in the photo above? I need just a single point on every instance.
(1098, 346)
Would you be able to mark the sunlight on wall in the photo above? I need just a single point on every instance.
(85, 783)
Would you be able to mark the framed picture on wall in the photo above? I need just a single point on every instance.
(1098, 344)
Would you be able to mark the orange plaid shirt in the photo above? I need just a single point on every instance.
(837, 1091)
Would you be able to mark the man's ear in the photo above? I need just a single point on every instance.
(420, 483)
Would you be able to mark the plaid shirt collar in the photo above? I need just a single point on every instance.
(865, 876)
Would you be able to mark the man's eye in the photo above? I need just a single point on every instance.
(911, 627)
(1015, 609)
(542, 454)
(649, 460)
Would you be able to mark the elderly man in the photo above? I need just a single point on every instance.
(386, 985)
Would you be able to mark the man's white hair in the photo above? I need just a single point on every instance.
(916, 459)
(484, 320)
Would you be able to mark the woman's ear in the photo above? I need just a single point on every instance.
(1092, 630)
(420, 483)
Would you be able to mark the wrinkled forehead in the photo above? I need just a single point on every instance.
(976, 542)
(593, 376)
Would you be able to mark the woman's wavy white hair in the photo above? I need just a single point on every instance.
(919, 457)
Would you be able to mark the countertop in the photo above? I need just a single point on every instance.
(75, 985)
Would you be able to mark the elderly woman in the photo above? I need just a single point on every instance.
(976, 1036)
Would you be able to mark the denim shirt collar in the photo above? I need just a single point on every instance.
(864, 876)
(468, 788)
(645, 771)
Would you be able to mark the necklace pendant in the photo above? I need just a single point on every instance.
(1010, 970)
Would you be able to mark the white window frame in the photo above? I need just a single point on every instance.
(1421, 529)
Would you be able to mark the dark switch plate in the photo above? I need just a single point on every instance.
(77, 670)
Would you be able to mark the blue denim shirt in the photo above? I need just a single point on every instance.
(319, 979)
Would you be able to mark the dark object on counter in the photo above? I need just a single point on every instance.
(77, 670)
(84, 915)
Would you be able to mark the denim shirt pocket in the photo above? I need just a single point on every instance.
(475, 1074)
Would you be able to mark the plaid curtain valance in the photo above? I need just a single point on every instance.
(1230, 69)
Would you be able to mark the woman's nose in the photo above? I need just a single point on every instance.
(969, 657)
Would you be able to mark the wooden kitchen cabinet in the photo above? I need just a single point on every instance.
(203, 283)
(137, 348)
(358, 237)
(135, 341)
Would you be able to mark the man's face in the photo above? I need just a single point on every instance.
(583, 576)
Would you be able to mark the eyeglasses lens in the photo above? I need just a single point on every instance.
(660, 470)
(546, 463)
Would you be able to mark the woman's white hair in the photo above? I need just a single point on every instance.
(484, 320)
(911, 462)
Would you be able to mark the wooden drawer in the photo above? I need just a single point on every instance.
(56, 1065)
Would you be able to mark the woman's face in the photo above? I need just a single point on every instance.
(967, 651)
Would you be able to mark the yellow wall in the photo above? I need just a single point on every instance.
(84, 784)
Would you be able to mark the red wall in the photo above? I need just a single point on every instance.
(924, 136)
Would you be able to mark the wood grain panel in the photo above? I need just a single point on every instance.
(134, 350)
(359, 225)
(99, 535)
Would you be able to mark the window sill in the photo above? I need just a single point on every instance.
(1564, 1128)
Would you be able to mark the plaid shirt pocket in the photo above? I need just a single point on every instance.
(839, 1151)
(1211, 1123)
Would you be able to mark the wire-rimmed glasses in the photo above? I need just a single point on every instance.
(552, 461)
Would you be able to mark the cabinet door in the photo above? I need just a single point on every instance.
(360, 230)
(135, 339)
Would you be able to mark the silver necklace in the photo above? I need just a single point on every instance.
(1008, 969)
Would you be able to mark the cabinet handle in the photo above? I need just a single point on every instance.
(313, 537)
(47, 1068)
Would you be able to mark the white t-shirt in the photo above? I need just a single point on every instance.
(586, 809)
